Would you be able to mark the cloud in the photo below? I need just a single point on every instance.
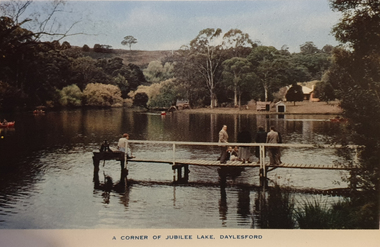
(169, 25)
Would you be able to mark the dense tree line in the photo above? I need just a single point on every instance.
(33, 72)
(354, 78)
(215, 68)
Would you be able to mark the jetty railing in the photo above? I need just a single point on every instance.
(262, 146)
(179, 163)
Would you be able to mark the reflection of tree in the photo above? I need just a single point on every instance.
(223, 208)
(243, 206)
(276, 212)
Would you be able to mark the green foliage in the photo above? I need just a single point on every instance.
(103, 48)
(277, 212)
(315, 63)
(313, 215)
(102, 95)
(324, 90)
(167, 95)
(71, 96)
(123, 84)
(344, 214)
(309, 48)
(141, 99)
(129, 40)
(274, 69)
(157, 72)
(86, 48)
(133, 74)
(160, 95)
(295, 93)
(237, 43)
(237, 76)
(355, 77)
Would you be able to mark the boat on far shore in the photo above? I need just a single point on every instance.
(7, 124)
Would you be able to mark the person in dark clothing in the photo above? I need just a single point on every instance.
(261, 137)
(244, 154)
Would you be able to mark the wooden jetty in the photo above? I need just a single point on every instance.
(181, 166)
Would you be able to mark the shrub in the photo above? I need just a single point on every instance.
(278, 210)
(97, 94)
(313, 215)
(70, 96)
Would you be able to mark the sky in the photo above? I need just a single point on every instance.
(167, 25)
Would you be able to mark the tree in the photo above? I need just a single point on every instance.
(85, 71)
(309, 48)
(129, 40)
(235, 71)
(97, 94)
(123, 84)
(205, 53)
(141, 99)
(324, 90)
(40, 19)
(315, 63)
(188, 79)
(294, 93)
(355, 76)
(71, 96)
(238, 42)
(157, 72)
(327, 49)
(31, 66)
(86, 48)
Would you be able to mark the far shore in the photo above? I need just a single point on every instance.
(305, 107)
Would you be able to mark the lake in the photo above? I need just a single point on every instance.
(47, 170)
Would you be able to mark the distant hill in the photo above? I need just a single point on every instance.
(140, 58)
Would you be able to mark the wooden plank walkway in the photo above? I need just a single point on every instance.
(240, 164)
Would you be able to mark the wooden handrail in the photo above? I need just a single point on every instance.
(242, 144)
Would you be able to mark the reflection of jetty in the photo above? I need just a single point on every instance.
(181, 166)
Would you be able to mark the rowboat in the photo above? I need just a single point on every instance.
(7, 125)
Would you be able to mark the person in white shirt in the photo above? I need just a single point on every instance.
(123, 145)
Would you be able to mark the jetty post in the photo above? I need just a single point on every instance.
(109, 155)
(181, 177)
(263, 169)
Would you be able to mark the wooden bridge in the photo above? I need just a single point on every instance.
(183, 175)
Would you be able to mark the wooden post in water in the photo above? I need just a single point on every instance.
(96, 163)
(263, 170)
(181, 178)
(124, 167)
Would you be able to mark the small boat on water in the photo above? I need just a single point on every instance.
(38, 112)
(7, 124)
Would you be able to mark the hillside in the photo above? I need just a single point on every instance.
(140, 58)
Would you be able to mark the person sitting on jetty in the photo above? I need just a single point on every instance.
(233, 153)
(123, 146)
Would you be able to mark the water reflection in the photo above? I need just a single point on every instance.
(46, 165)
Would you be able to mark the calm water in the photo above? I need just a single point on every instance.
(47, 171)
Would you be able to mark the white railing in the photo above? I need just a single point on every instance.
(261, 145)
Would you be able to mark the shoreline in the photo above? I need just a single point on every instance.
(300, 108)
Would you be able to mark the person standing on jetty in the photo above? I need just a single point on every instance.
(122, 145)
(273, 152)
(244, 154)
(223, 138)
(261, 137)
